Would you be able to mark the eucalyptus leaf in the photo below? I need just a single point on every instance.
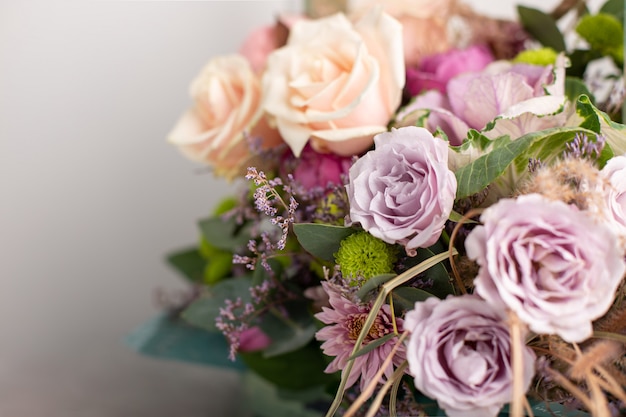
(203, 312)
(265, 400)
(290, 332)
(300, 369)
(189, 262)
(542, 27)
(171, 338)
(441, 283)
(321, 240)
(406, 297)
(224, 234)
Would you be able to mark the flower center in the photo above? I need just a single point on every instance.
(354, 325)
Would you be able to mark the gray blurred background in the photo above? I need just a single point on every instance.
(92, 197)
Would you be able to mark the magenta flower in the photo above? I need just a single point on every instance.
(517, 98)
(434, 71)
(313, 169)
(548, 262)
(402, 192)
(459, 352)
(344, 322)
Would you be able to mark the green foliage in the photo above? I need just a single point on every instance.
(171, 338)
(599, 122)
(288, 333)
(321, 240)
(189, 262)
(225, 234)
(300, 369)
(615, 8)
(203, 312)
(542, 27)
(575, 87)
(266, 400)
(404, 298)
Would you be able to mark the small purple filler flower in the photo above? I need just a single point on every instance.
(403, 192)
(551, 264)
(459, 352)
(344, 323)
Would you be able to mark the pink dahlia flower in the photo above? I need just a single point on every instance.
(344, 321)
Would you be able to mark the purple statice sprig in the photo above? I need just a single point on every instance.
(237, 316)
(269, 201)
(581, 147)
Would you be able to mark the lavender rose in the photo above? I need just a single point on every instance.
(402, 192)
(615, 172)
(551, 264)
(459, 353)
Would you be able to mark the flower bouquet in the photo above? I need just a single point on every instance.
(434, 218)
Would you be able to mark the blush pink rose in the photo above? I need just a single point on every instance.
(335, 84)
(226, 115)
(615, 173)
(424, 24)
(434, 71)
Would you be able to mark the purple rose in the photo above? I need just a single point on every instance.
(435, 71)
(615, 172)
(459, 352)
(550, 263)
(402, 192)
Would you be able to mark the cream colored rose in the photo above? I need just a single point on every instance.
(424, 24)
(225, 117)
(334, 83)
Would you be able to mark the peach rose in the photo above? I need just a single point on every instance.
(424, 24)
(226, 111)
(335, 83)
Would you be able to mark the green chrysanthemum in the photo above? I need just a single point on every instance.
(541, 56)
(604, 34)
(362, 256)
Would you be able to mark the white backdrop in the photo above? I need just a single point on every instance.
(91, 197)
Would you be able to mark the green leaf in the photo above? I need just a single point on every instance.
(442, 286)
(373, 283)
(288, 333)
(265, 400)
(321, 240)
(600, 122)
(406, 297)
(203, 312)
(456, 217)
(189, 262)
(615, 8)
(574, 87)
(300, 369)
(478, 174)
(260, 274)
(224, 234)
(373, 345)
(171, 338)
(218, 267)
(542, 27)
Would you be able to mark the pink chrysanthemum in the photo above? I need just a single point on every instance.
(344, 323)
